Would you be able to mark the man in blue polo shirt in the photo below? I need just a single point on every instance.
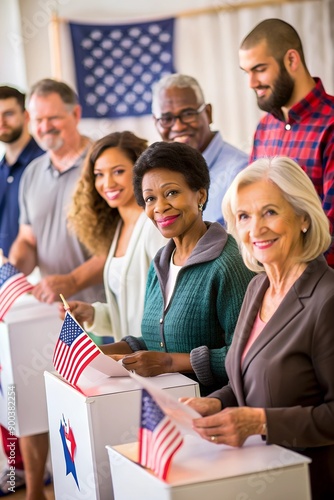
(20, 149)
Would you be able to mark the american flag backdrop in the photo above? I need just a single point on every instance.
(13, 284)
(159, 438)
(74, 350)
(116, 66)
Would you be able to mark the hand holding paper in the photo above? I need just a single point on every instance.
(181, 414)
(204, 406)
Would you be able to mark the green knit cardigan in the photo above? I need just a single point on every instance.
(204, 307)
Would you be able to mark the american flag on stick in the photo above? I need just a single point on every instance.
(13, 284)
(74, 350)
(159, 437)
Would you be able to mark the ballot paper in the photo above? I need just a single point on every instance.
(181, 414)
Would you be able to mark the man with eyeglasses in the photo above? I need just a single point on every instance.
(181, 115)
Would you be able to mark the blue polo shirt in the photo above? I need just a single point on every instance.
(9, 193)
(224, 162)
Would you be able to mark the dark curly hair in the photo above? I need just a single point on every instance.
(90, 216)
(174, 156)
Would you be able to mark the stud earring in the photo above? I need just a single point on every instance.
(200, 207)
(304, 230)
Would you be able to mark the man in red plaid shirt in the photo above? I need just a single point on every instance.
(300, 115)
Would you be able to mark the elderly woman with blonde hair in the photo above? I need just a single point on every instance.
(281, 361)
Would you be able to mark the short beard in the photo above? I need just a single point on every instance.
(281, 92)
(51, 144)
(12, 136)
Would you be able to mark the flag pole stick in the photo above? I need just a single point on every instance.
(65, 304)
(54, 37)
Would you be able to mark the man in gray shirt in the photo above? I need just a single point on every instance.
(45, 194)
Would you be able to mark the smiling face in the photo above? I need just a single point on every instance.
(54, 124)
(270, 81)
(267, 224)
(197, 133)
(170, 203)
(113, 178)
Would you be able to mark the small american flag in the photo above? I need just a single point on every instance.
(13, 284)
(159, 438)
(74, 350)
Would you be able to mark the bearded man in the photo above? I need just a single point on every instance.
(20, 149)
(300, 114)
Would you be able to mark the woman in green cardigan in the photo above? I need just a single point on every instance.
(196, 283)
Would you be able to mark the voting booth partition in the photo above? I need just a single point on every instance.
(83, 421)
(203, 470)
(28, 336)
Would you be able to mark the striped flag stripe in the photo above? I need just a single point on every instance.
(74, 350)
(159, 437)
(13, 286)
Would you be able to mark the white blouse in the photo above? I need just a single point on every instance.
(172, 275)
(114, 275)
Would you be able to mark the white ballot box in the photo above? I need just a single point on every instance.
(202, 470)
(82, 422)
(27, 339)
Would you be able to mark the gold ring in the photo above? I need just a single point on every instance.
(213, 438)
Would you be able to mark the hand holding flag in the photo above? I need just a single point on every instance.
(159, 438)
(74, 350)
(13, 284)
(66, 306)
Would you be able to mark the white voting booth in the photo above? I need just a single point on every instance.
(82, 422)
(202, 470)
(27, 340)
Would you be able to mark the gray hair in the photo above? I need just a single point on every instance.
(297, 189)
(49, 86)
(175, 80)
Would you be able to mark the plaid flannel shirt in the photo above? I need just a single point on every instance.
(308, 138)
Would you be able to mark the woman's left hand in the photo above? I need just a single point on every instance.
(231, 426)
(148, 363)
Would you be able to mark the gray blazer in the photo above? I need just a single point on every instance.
(289, 369)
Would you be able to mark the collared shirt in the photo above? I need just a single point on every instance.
(308, 138)
(10, 176)
(45, 196)
(224, 162)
